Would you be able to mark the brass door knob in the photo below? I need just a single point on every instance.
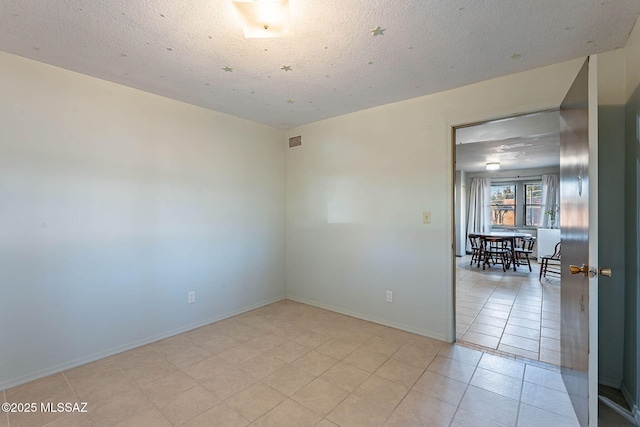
(584, 269)
(605, 272)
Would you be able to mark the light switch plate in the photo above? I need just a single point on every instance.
(426, 217)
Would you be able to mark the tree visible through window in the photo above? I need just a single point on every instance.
(532, 203)
(503, 204)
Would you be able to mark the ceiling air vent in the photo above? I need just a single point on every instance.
(295, 141)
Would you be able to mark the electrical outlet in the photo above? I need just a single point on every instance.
(191, 297)
(389, 296)
(426, 217)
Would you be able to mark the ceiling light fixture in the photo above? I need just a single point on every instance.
(493, 166)
(263, 18)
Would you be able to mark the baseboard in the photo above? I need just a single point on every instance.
(634, 408)
(110, 352)
(361, 316)
(609, 382)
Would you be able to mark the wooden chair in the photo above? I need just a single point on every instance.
(496, 250)
(550, 264)
(476, 249)
(523, 251)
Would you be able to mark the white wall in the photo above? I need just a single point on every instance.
(611, 205)
(114, 203)
(357, 187)
(631, 375)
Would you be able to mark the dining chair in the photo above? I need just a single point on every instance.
(476, 249)
(496, 250)
(523, 251)
(550, 264)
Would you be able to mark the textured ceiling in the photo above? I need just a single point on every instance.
(523, 142)
(194, 50)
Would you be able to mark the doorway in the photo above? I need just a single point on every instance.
(510, 311)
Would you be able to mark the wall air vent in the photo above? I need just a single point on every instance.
(295, 141)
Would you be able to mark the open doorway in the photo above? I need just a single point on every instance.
(504, 187)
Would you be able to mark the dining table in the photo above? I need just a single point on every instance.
(509, 236)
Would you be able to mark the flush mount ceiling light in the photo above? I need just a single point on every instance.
(493, 166)
(263, 18)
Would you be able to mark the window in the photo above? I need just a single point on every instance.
(516, 203)
(532, 203)
(503, 204)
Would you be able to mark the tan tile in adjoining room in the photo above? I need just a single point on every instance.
(219, 415)
(288, 379)
(497, 383)
(38, 390)
(381, 392)
(338, 348)
(326, 423)
(366, 360)
(255, 401)
(481, 339)
(208, 368)
(531, 416)
(494, 313)
(354, 411)
(494, 331)
(547, 399)
(345, 376)
(440, 387)
(263, 365)
(289, 351)
(400, 372)
(74, 420)
(320, 396)
(424, 410)
(549, 344)
(526, 323)
(288, 413)
(550, 333)
(545, 377)
(415, 356)
(182, 407)
(106, 388)
(168, 386)
(502, 365)
(519, 351)
(91, 373)
(489, 320)
(520, 342)
(150, 417)
(522, 331)
(383, 345)
(465, 418)
(118, 408)
(315, 363)
(550, 356)
(454, 369)
(226, 384)
(489, 405)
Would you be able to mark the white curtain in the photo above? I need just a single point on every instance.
(479, 219)
(550, 200)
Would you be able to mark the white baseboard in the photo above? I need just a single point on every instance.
(610, 382)
(369, 318)
(110, 352)
(634, 408)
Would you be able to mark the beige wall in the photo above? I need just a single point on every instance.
(357, 188)
(114, 204)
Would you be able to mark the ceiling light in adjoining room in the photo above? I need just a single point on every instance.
(493, 166)
(263, 18)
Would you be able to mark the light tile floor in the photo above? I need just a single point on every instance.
(290, 364)
(508, 312)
